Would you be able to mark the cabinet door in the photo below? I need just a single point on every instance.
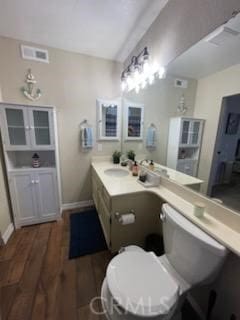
(104, 216)
(185, 130)
(134, 120)
(22, 190)
(16, 128)
(47, 194)
(109, 119)
(41, 121)
(195, 132)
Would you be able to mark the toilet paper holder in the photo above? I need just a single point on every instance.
(118, 215)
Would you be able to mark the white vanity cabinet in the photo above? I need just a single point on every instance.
(184, 144)
(145, 206)
(34, 192)
(27, 128)
(34, 196)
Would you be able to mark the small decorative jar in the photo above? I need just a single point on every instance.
(35, 161)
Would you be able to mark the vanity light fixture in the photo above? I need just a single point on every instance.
(140, 72)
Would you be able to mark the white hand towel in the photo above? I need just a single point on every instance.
(151, 133)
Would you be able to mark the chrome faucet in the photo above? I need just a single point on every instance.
(142, 161)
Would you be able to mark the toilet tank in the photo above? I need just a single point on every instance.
(195, 256)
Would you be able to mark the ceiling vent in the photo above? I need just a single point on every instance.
(36, 54)
(180, 83)
(221, 35)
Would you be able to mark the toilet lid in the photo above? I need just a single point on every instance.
(140, 284)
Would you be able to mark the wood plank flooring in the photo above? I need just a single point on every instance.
(39, 282)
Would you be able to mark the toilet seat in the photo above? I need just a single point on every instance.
(141, 285)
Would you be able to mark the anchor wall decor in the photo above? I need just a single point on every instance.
(29, 91)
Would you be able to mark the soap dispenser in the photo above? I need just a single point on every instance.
(135, 169)
(151, 165)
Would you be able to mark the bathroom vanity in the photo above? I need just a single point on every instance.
(145, 207)
(119, 195)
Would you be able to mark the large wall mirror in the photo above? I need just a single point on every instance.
(195, 111)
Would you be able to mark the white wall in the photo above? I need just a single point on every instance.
(71, 82)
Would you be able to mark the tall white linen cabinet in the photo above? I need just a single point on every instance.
(184, 144)
(34, 192)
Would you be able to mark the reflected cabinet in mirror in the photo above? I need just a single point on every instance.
(133, 120)
(195, 112)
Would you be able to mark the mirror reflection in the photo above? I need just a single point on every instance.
(195, 113)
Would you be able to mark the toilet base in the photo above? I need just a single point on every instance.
(113, 312)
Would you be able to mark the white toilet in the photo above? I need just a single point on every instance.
(140, 285)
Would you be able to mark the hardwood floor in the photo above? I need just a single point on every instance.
(39, 282)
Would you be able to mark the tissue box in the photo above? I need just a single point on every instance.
(152, 180)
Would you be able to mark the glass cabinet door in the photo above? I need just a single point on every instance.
(133, 124)
(108, 119)
(41, 128)
(195, 132)
(185, 131)
(17, 129)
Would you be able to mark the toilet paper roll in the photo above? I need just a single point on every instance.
(127, 218)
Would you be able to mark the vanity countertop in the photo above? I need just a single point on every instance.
(220, 222)
(179, 177)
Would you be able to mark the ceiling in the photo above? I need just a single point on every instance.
(104, 28)
(206, 58)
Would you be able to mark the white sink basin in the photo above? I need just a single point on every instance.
(116, 172)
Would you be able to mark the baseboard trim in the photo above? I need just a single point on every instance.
(75, 205)
(8, 232)
(196, 307)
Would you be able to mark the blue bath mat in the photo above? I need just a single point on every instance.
(86, 235)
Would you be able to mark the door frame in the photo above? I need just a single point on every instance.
(218, 140)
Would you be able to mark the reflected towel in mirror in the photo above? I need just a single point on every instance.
(151, 137)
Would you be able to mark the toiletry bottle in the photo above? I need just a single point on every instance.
(135, 169)
(151, 165)
(35, 161)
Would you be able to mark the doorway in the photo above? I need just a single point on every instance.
(224, 182)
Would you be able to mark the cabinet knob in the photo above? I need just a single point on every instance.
(27, 128)
(37, 181)
(32, 182)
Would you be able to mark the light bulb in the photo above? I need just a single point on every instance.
(129, 81)
(146, 67)
(143, 84)
(161, 73)
(151, 79)
(136, 75)
(123, 85)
